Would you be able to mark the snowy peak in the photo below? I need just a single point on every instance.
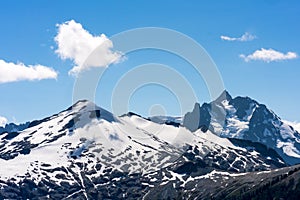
(94, 110)
(245, 118)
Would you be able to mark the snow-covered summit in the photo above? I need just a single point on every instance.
(245, 118)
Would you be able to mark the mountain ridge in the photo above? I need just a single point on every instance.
(245, 118)
(86, 152)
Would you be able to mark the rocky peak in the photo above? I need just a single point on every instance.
(224, 96)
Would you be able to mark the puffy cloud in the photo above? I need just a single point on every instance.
(3, 121)
(77, 44)
(244, 38)
(11, 72)
(269, 55)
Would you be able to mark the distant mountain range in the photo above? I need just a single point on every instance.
(12, 127)
(231, 148)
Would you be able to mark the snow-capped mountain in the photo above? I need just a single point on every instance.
(245, 118)
(12, 127)
(86, 152)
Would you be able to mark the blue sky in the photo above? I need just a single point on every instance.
(268, 72)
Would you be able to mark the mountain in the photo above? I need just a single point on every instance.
(85, 152)
(246, 119)
(12, 127)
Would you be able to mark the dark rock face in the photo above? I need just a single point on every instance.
(199, 118)
(10, 135)
(192, 119)
(95, 114)
(205, 117)
(22, 147)
(37, 122)
(242, 105)
(264, 125)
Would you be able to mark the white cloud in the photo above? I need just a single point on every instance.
(76, 44)
(295, 125)
(244, 38)
(11, 72)
(269, 55)
(3, 121)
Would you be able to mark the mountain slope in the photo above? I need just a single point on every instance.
(281, 183)
(244, 118)
(86, 152)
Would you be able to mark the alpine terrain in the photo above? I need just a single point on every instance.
(231, 148)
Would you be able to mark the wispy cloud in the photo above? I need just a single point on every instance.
(3, 121)
(244, 38)
(269, 55)
(11, 72)
(77, 44)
